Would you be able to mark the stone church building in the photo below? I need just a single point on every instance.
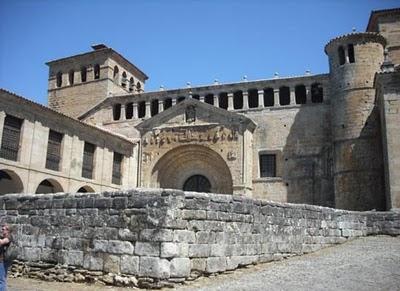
(330, 139)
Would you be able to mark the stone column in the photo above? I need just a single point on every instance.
(292, 96)
(123, 115)
(245, 100)
(260, 98)
(276, 97)
(202, 98)
(216, 100)
(308, 94)
(135, 110)
(160, 106)
(148, 112)
(230, 101)
(2, 118)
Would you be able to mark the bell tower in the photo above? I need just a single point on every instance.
(79, 82)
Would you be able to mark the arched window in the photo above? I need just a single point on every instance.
(167, 103)
(223, 100)
(71, 77)
(238, 100)
(301, 94)
(154, 107)
(341, 55)
(116, 111)
(48, 186)
(85, 189)
(10, 182)
(284, 95)
(115, 74)
(131, 84)
(253, 98)
(59, 79)
(197, 183)
(209, 99)
(350, 51)
(141, 109)
(123, 80)
(268, 97)
(83, 74)
(96, 71)
(317, 93)
(129, 110)
(138, 87)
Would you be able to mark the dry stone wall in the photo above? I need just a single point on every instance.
(155, 237)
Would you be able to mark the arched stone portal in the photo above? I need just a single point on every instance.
(10, 182)
(181, 163)
(49, 186)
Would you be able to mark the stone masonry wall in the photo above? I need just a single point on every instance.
(155, 237)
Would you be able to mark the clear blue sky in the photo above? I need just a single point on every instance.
(176, 41)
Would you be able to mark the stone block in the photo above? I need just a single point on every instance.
(180, 267)
(147, 249)
(199, 250)
(111, 264)
(194, 214)
(198, 264)
(93, 262)
(184, 236)
(156, 235)
(171, 250)
(154, 267)
(72, 258)
(217, 250)
(204, 237)
(215, 264)
(130, 265)
(120, 247)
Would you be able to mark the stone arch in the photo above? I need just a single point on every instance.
(10, 182)
(49, 186)
(85, 189)
(179, 164)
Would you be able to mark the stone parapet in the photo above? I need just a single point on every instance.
(146, 237)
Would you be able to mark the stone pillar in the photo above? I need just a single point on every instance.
(245, 100)
(174, 101)
(135, 110)
(123, 115)
(260, 98)
(160, 106)
(2, 117)
(230, 101)
(276, 97)
(292, 96)
(216, 100)
(308, 94)
(202, 98)
(148, 111)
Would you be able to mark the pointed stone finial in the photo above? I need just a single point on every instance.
(162, 88)
(216, 82)
(276, 75)
(244, 78)
(188, 85)
(353, 29)
(387, 65)
(308, 72)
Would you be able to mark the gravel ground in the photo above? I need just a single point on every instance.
(371, 263)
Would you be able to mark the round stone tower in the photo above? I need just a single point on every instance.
(358, 163)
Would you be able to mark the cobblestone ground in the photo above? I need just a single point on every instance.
(371, 263)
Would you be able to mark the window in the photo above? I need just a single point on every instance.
(59, 79)
(124, 80)
(223, 100)
(53, 157)
(116, 171)
(317, 93)
(301, 94)
(238, 100)
(350, 50)
(83, 74)
(96, 71)
(88, 159)
(129, 111)
(268, 97)
(167, 103)
(253, 98)
(71, 77)
(116, 111)
(115, 75)
(284, 95)
(197, 97)
(209, 99)
(180, 99)
(131, 84)
(154, 107)
(341, 55)
(11, 136)
(267, 165)
(138, 87)
(141, 109)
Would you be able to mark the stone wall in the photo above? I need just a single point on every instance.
(150, 237)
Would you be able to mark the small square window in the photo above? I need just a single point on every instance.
(267, 165)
